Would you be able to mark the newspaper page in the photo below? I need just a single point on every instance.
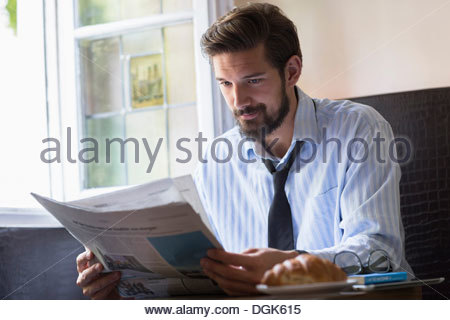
(155, 234)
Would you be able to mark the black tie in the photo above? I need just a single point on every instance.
(281, 235)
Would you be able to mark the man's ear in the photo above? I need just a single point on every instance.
(292, 70)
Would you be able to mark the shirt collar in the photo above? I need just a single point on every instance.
(305, 128)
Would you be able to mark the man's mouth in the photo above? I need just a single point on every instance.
(249, 115)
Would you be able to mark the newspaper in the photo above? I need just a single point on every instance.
(155, 234)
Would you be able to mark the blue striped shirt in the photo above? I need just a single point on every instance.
(343, 187)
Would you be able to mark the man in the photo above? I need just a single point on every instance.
(340, 189)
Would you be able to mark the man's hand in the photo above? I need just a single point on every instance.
(94, 284)
(238, 273)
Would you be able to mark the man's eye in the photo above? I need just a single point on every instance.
(254, 81)
(225, 83)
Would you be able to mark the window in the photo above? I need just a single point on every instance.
(137, 90)
(138, 87)
(136, 73)
(104, 69)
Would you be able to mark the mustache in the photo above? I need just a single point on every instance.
(249, 109)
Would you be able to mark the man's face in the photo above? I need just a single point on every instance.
(253, 89)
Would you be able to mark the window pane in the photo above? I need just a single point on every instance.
(103, 174)
(142, 42)
(179, 63)
(151, 126)
(147, 86)
(103, 11)
(183, 125)
(176, 5)
(101, 77)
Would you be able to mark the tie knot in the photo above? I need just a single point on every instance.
(285, 170)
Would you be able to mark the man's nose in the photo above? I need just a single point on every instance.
(240, 97)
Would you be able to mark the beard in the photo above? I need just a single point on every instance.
(259, 129)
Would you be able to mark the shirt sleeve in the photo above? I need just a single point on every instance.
(370, 199)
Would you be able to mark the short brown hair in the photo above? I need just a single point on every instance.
(245, 27)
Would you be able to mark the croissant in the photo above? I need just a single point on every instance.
(303, 269)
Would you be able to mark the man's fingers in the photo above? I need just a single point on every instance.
(89, 274)
(232, 287)
(236, 259)
(105, 292)
(229, 272)
(83, 259)
(101, 283)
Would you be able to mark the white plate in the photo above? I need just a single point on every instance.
(319, 287)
